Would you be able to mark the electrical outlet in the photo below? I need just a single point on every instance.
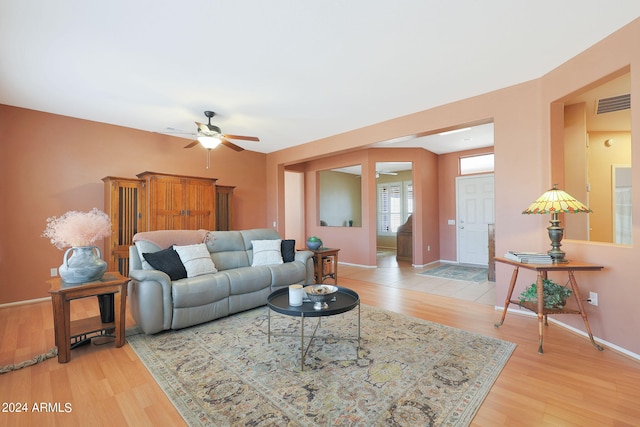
(54, 272)
(428, 248)
(593, 298)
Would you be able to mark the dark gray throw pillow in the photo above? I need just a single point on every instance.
(168, 261)
(288, 249)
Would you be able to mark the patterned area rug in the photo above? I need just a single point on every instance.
(407, 371)
(458, 272)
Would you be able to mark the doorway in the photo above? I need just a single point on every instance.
(394, 207)
(475, 211)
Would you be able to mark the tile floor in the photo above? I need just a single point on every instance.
(390, 272)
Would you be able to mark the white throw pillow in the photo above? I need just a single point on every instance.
(266, 252)
(196, 259)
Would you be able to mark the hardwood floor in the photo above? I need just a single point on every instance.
(571, 384)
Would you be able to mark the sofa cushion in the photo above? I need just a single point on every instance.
(288, 249)
(201, 290)
(166, 238)
(246, 280)
(227, 250)
(196, 259)
(168, 261)
(266, 252)
(145, 247)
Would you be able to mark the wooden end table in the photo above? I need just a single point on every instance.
(321, 254)
(65, 330)
(538, 307)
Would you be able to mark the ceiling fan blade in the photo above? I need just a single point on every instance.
(231, 145)
(170, 130)
(191, 144)
(244, 138)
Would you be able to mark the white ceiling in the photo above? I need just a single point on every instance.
(286, 71)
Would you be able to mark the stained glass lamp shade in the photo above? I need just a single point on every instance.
(555, 201)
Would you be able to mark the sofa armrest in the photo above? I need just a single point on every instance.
(303, 256)
(152, 275)
(306, 257)
(150, 300)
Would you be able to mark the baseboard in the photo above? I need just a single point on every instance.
(25, 302)
(580, 332)
(425, 265)
(357, 265)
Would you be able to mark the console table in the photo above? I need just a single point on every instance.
(542, 270)
(322, 271)
(65, 330)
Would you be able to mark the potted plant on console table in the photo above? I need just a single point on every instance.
(555, 296)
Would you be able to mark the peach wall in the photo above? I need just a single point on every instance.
(51, 164)
(616, 319)
(523, 131)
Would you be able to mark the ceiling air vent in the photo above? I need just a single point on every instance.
(615, 103)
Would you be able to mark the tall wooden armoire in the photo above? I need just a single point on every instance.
(158, 201)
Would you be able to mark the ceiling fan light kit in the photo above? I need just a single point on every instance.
(209, 142)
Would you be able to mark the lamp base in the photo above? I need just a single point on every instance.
(555, 235)
(558, 259)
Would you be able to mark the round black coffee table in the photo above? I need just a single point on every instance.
(345, 300)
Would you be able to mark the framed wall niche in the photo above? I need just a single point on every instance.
(340, 197)
(596, 135)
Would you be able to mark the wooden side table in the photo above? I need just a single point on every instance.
(542, 270)
(330, 256)
(65, 330)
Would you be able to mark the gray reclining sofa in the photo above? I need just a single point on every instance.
(159, 303)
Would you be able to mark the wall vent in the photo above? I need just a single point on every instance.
(615, 103)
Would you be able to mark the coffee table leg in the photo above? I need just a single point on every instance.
(269, 325)
(358, 353)
(302, 341)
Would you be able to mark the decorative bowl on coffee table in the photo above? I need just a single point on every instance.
(320, 295)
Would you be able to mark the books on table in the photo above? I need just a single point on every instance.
(529, 257)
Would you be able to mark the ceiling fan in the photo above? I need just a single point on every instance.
(209, 136)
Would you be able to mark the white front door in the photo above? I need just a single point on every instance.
(475, 205)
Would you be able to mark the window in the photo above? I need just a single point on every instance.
(395, 204)
(476, 164)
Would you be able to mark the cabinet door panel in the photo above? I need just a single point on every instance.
(125, 205)
(167, 209)
(224, 206)
(200, 204)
